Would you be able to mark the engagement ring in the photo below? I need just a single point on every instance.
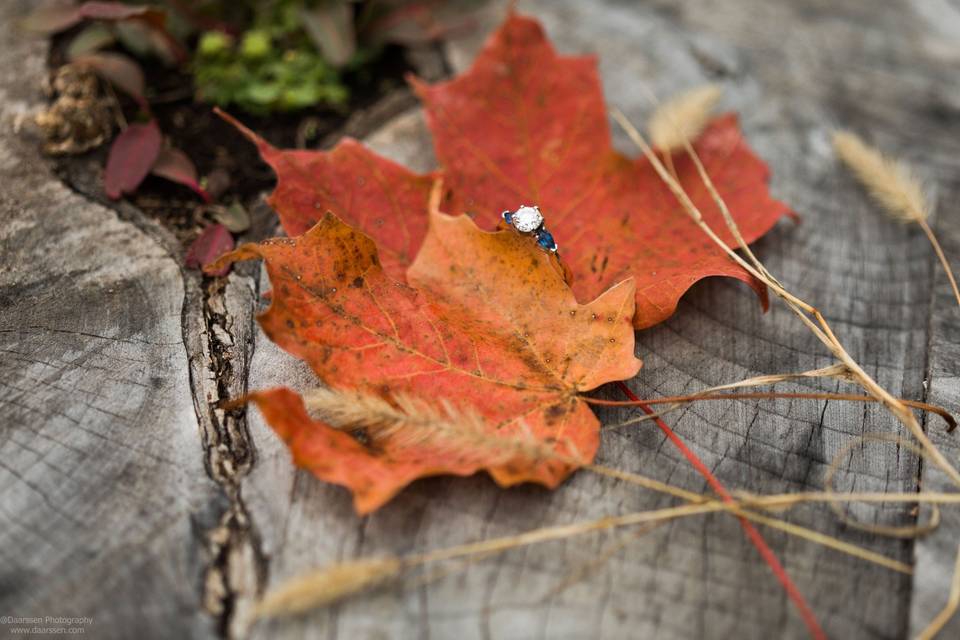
(529, 221)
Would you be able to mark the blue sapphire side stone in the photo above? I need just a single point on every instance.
(545, 240)
(507, 217)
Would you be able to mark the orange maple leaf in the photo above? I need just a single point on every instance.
(485, 322)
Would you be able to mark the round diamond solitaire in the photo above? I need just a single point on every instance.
(527, 219)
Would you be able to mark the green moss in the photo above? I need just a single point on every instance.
(274, 66)
(255, 45)
(213, 43)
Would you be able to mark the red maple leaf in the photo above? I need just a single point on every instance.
(527, 126)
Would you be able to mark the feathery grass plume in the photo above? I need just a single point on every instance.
(682, 118)
(891, 184)
(327, 586)
(406, 421)
(351, 410)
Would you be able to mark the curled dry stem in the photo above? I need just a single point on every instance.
(911, 531)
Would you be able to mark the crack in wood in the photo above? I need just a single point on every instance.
(217, 322)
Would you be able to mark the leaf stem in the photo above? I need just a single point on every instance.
(922, 221)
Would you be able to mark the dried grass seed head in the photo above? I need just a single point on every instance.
(891, 183)
(682, 118)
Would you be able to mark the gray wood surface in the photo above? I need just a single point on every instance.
(104, 501)
(125, 495)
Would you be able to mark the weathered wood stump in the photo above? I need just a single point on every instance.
(128, 497)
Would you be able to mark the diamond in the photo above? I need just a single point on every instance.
(527, 219)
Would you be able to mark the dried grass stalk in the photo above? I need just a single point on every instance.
(335, 583)
(837, 371)
(327, 586)
(736, 508)
(894, 187)
(682, 118)
(809, 315)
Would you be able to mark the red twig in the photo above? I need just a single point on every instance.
(752, 533)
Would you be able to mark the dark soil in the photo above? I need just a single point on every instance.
(220, 153)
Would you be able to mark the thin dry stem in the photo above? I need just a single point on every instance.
(941, 256)
(337, 582)
(560, 532)
(953, 601)
(682, 118)
(834, 371)
(779, 502)
(759, 395)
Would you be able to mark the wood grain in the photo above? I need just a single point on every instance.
(126, 495)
